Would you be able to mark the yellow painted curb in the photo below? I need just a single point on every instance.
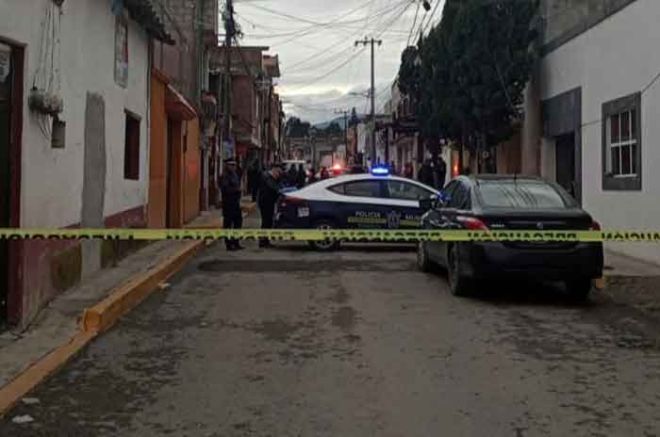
(104, 314)
(96, 320)
(11, 393)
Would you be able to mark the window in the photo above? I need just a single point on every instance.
(362, 189)
(521, 194)
(622, 144)
(132, 147)
(339, 189)
(460, 198)
(406, 191)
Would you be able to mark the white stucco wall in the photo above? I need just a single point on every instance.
(52, 179)
(616, 58)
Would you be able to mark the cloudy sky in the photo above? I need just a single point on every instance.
(315, 40)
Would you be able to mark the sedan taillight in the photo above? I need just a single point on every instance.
(472, 223)
(290, 201)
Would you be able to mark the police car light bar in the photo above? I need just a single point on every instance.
(380, 171)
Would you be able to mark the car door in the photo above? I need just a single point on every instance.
(403, 197)
(359, 204)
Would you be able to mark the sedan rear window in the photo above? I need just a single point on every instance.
(521, 194)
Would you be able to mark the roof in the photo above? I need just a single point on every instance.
(504, 177)
(142, 11)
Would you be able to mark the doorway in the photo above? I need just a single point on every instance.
(565, 163)
(5, 144)
(11, 96)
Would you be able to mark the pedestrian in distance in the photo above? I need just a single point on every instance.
(425, 174)
(408, 172)
(312, 176)
(254, 174)
(269, 192)
(439, 173)
(324, 173)
(230, 188)
(292, 176)
(302, 176)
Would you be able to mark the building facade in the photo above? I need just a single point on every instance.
(183, 154)
(591, 111)
(74, 135)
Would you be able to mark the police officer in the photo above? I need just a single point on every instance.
(230, 187)
(269, 192)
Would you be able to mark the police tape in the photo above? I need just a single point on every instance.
(358, 235)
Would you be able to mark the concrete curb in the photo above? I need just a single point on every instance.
(94, 321)
(104, 314)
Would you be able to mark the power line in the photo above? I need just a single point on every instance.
(333, 54)
(436, 8)
(412, 29)
(315, 28)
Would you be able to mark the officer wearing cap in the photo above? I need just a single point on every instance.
(230, 187)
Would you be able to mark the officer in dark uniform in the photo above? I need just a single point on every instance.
(230, 187)
(269, 192)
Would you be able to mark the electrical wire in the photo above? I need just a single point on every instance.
(313, 29)
(412, 28)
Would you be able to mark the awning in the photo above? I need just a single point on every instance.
(177, 105)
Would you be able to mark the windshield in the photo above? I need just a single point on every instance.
(521, 195)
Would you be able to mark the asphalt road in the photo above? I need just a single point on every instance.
(288, 342)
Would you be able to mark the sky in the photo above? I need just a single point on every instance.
(315, 41)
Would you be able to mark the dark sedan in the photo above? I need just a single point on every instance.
(510, 203)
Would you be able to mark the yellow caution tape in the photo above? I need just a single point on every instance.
(336, 234)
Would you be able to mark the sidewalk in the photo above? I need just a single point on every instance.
(632, 282)
(213, 219)
(30, 355)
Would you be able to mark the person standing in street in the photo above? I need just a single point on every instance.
(230, 188)
(269, 192)
(425, 174)
(439, 173)
(254, 173)
(408, 172)
(302, 177)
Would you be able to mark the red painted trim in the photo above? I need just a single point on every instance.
(130, 218)
(15, 279)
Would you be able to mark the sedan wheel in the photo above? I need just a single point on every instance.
(579, 289)
(324, 245)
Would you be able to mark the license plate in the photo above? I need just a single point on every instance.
(303, 212)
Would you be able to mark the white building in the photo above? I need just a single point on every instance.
(86, 164)
(593, 108)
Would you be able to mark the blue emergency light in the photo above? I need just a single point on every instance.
(380, 171)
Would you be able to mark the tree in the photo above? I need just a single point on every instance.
(297, 128)
(468, 75)
(333, 129)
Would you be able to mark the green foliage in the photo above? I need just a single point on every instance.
(296, 128)
(468, 75)
(333, 129)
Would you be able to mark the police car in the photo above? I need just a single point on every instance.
(374, 200)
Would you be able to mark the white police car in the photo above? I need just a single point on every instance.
(374, 200)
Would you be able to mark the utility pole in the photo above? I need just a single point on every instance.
(345, 113)
(372, 42)
(230, 29)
